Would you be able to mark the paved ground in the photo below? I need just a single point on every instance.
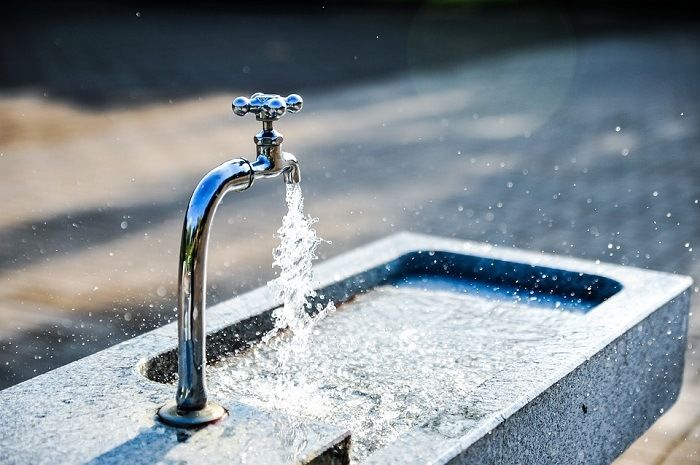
(586, 145)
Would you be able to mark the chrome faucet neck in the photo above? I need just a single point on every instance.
(268, 142)
(268, 136)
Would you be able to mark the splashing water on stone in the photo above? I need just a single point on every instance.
(396, 358)
(391, 359)
(293, 323)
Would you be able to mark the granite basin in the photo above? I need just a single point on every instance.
(439, 351)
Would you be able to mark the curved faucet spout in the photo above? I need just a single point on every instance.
(283, 163)
(234, 175)
(292, 174)
(190, 408)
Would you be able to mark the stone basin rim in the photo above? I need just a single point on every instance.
(412, 243)
(545, 281)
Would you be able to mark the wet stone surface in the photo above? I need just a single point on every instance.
(392, 358)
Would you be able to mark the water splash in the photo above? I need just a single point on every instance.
(394, 358)
(397, 358)
(293, 323)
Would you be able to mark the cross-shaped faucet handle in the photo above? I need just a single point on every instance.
(267, 107)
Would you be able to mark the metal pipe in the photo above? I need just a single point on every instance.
(234, 175)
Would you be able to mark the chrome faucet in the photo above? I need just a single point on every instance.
(191, 407)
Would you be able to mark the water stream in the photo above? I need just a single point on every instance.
(294, 256)
(293, 287)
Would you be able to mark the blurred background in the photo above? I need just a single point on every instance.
(565, 129)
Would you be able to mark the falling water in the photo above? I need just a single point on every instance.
(294, 256)
(293, 323)
(293, 320)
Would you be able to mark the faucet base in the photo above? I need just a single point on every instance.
(170, 415)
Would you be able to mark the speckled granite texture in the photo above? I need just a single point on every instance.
(101, 409)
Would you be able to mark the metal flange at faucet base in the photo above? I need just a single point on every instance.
(172, 416)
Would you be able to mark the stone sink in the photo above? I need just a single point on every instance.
(439, 351)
